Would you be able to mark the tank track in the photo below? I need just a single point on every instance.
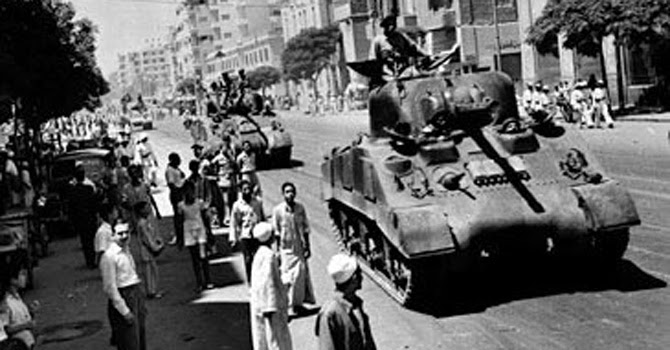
(424, 279)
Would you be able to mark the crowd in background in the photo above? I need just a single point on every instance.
(584, 102)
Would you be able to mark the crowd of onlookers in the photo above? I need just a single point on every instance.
(584, 102)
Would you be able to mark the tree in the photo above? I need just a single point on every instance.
(585, 23)
(47, 60)
(309, 53)
(263, 77)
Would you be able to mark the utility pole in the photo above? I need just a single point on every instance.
(498, 60)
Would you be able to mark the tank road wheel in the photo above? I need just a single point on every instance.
(343, 228)
(610, 246)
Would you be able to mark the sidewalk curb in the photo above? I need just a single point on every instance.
(643, 119)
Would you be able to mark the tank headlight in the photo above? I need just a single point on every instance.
(574, 164)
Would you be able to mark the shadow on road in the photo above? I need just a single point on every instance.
(501, 282)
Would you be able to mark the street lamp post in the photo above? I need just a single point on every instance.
(497, 29)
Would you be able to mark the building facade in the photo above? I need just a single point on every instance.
(251, 37)
(148, 71)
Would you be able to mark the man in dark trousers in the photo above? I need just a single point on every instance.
(342, 324)
(83, 203)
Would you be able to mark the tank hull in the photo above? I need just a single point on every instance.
(413, 207)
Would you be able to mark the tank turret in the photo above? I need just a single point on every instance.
(449, 173)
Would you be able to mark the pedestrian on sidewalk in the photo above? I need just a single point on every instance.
(175, 181)
(103, 237)
(289, 220)
(268, 302)
(150, 247)
(247, 212)
(135, 192)
(246, 162)
(226, 168)
(16, 316)
(342, 324)
(83, 203)
(193, 211)
(601, 106)
(121, 283)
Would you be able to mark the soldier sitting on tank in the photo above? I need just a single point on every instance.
(394, 49)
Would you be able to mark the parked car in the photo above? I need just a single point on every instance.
(60, 175)
(16, 228)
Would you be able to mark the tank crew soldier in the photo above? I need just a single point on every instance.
(122, 285)
(246, 213)
(342, 324)
(269, 320)
(289, 220)
(394, 49)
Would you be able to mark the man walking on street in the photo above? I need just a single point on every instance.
(289, 220)
(83, 214)
(269, 319)
(122, 285)
(342, 324)
(247, 212)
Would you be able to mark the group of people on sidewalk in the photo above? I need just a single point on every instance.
(583, 102)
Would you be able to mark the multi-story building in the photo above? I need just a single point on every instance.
(148, 71)
(254, 37)
(484, 34)
(193, 38)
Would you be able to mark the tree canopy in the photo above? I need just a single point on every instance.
(585, 23)
(47, 59)
(309, 52)
(263, 77)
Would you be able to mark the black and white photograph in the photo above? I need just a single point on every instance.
(334, 174)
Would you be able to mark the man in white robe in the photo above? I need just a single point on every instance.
(268, 302)
(289, 220)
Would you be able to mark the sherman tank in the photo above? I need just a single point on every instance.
(449, 174)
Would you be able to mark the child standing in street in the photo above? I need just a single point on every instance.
(150, 247)
(192, 210)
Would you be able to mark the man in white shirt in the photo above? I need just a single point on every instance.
(246, 213)
(103, 237)
(122, 285)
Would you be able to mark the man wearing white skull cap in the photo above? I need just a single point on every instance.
(342, 324)
(269, 300)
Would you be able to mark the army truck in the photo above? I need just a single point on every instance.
(449, 173)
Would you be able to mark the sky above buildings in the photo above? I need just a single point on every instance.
(126, 25)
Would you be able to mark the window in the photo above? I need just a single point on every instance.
(202, 19)
(212, 2)
(227, 35)
(276, 12)
(225, 17)
(505, 3)
(215, 15)
(217, 33)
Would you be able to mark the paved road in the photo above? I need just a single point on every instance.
(520, 307)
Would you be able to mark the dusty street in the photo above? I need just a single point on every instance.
(524, 307)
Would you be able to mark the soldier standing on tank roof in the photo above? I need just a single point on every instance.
(393, 48)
